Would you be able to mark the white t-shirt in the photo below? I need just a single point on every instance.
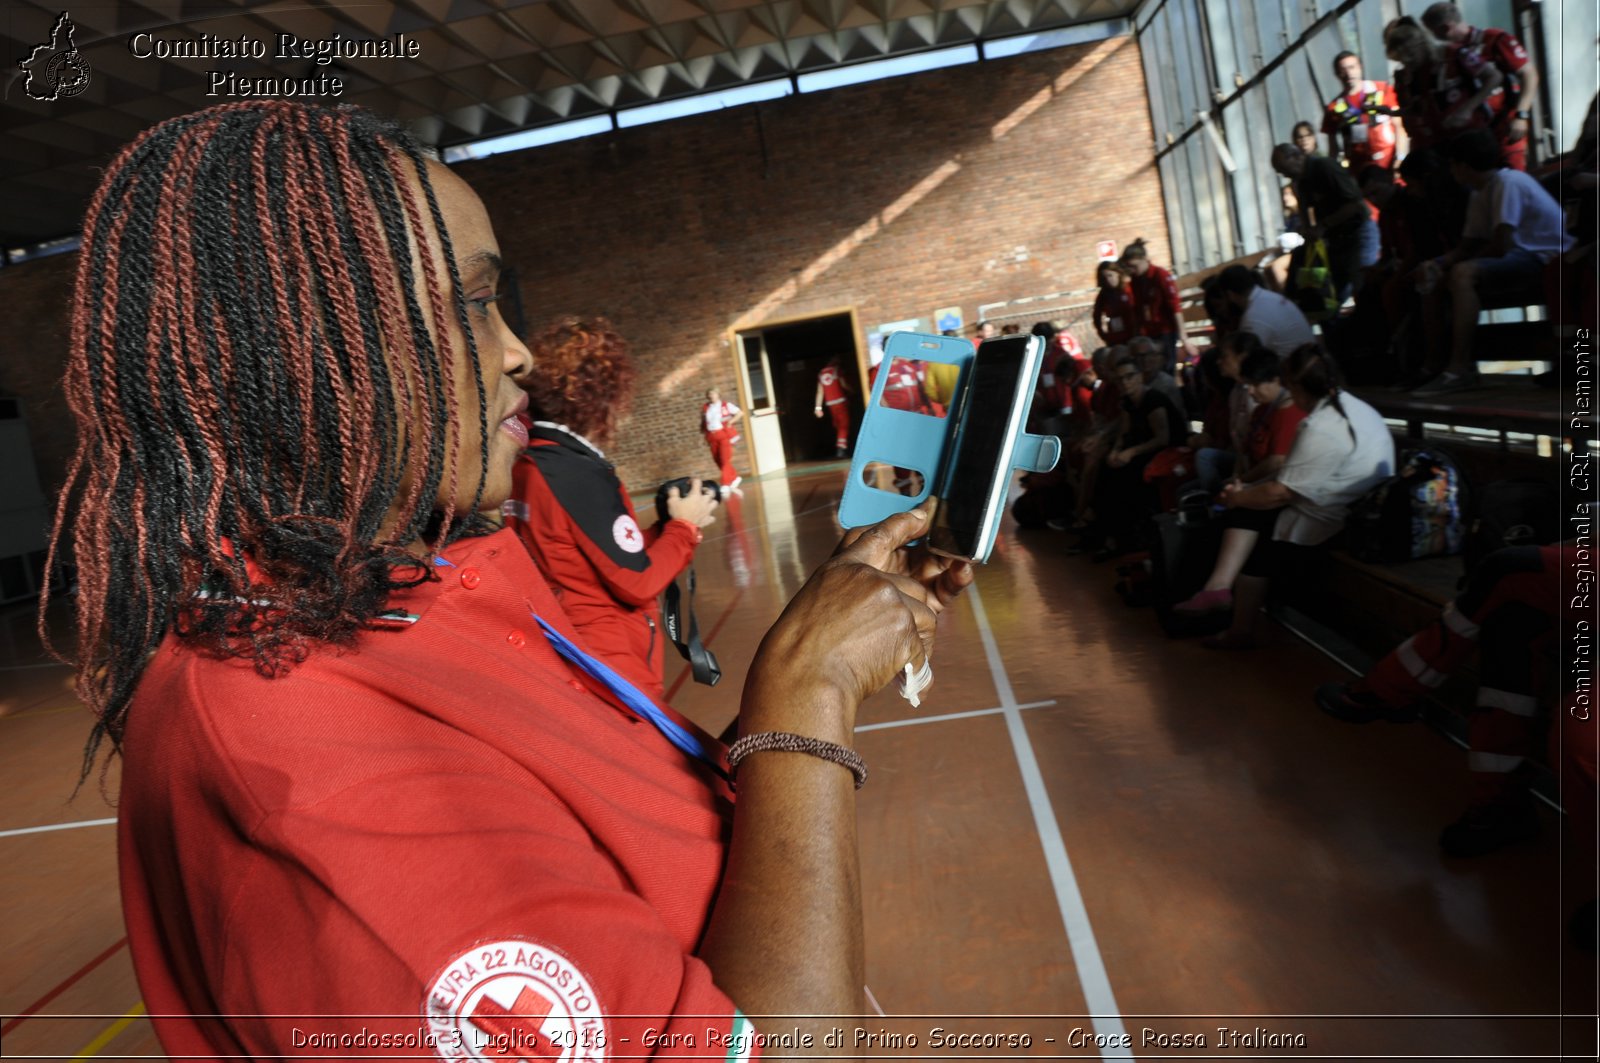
(1327, 470)
(1513, 198)
(1276, 321)
(717, 414)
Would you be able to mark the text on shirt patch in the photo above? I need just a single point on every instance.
(627, 534)
(518, 1000)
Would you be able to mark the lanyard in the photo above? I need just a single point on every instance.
(633, 698)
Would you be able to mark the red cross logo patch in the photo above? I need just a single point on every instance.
(515, 1000)
(625, 530)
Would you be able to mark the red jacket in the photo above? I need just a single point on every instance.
(1113, 315)
(414, 837)
(574, 516)
(1156, 304)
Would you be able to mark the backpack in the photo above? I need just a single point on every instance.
(1511, 513)
(1418, 513)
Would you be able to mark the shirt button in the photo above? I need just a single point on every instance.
(470, 578)
(516, 638)
(576, 685)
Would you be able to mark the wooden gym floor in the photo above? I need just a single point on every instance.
(1083, 819)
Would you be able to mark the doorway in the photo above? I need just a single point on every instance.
(779, 365)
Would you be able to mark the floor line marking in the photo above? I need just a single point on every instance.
(948, 716)
(57, 826)
(26, 713)
(93, 1048)
(22, 1016)
(1092, 976)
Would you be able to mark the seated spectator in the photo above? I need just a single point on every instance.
(1152, 363)
(1123, 501)
(1215, 390)
(983, 330)
(1105, 409)
(1216, 461)
(1337, 214)
(574, 515)
(1273, 427)
(1011, 329)
(1475, 48)
(1223, 315)
(1276, 322)
(1278, 269)
(1113, 305)
(1512, 613)
(1304, 137)
(1513, 229)
(1342, 450)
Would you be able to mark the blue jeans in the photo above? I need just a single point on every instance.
(1350, 250)
(1213, 466)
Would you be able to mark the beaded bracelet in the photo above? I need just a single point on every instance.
(784, 742)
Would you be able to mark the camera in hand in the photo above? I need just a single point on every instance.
(683, 484)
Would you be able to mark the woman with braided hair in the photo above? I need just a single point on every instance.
(367, 771)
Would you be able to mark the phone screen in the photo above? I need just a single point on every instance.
(993, 404)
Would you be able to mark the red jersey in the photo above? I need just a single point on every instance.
(575, 518)
(1430, 94)
(832, 383)
(903, 389)
(1272, 430)
(1367, 139)
(1156, 305)
(441, 832)
(1500, 49)
(1113, 315)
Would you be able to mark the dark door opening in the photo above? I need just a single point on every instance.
(796, 353)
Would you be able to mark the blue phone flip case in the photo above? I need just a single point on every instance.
(918, 441)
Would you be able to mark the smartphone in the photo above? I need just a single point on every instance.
(994, 402)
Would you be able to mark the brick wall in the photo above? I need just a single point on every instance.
(956, 187)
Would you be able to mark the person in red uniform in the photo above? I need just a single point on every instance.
(1113, 305)
(1157, 308)
(1518, 605)
(833, 394)
(1359, 122)
(1441, 91)
(574, 515)
(903, 390)
(720, 422)
(1478, 47)
(375, 800)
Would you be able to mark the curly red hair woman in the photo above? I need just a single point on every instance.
(575, 516)
(582, 376)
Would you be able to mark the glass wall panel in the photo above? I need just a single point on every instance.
(1193, 48)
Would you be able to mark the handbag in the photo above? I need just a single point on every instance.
(1314, 292)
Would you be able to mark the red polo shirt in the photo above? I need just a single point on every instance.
(440, 833)
(1156, 303)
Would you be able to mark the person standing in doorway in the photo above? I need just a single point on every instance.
(833, 393)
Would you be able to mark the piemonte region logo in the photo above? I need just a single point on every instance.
(56, 69)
